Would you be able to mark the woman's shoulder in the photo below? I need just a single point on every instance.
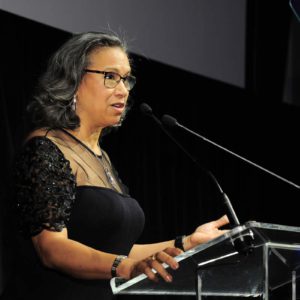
(44, 135)
(39, 144)
(40, 132)
(36, 141)
(40, 154)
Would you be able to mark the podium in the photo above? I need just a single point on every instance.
(269, 270)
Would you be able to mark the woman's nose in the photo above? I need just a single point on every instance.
(121, 88)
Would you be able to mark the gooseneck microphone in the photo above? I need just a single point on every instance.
(243, 244)
(147, 110)
(169, 121)
(172, 122)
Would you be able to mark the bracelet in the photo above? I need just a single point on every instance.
(178, 243)
(115, 264)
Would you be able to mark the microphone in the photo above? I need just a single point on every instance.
(243, 244)
(172, 122)
(169, 121)
(147, 110)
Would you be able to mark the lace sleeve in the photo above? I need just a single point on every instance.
(45, 187)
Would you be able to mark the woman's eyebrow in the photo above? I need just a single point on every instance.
(112, 69)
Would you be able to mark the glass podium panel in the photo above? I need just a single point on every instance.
(222, 267)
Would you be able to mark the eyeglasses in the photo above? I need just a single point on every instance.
(112, 79)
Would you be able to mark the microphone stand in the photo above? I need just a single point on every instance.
(170, 121)
(243, 244)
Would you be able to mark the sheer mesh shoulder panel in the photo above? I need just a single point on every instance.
(87, 168)
(45, 187)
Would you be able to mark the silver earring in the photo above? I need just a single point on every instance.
(74, 103)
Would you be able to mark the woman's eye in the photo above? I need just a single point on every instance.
(110, 76)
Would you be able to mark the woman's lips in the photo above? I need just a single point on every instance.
(118, 107)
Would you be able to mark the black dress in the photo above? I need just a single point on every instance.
(49, 197)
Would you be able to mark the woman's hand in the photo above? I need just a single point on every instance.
(205, 233)
(130, 268)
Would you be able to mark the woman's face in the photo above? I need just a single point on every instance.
(99, 106)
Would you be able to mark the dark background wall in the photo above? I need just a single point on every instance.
(176, 196)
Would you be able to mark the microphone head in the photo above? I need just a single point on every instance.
(169, 121)
(146, 109)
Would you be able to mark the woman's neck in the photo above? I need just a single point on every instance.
(89, 137)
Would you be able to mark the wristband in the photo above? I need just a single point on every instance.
(115, 264)
(178, 243)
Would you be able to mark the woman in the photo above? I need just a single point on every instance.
(78, 222)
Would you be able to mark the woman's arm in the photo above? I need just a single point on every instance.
(57, 251)
(202, 234)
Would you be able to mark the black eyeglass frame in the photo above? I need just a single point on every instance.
(131, 80)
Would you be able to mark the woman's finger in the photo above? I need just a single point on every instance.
(173, 251)
(157, 266)
(164, 257)
(144, 267)
(222, 221)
